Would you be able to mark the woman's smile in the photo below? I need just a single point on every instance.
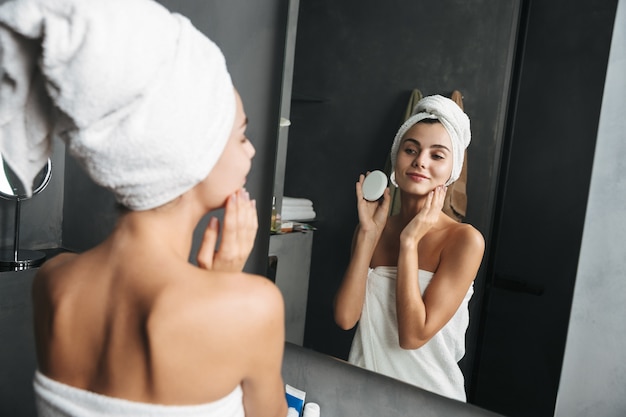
(417, 177)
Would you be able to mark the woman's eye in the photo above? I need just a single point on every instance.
(410, 151)
(438, 156)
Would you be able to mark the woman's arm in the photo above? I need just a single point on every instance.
(420, 318)
(263, 387)
(263, 314)
(351, 294)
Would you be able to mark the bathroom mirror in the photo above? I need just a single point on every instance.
(11, 188)
(351, 85)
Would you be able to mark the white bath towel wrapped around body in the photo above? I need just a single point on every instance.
(54, 399)
(434, 366)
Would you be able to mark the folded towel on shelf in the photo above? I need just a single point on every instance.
(297, 202)
(294, 214)
(297, 209)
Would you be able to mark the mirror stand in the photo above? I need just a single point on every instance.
(11, 188)
(19, 259)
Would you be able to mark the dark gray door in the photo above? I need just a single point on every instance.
(533, 253)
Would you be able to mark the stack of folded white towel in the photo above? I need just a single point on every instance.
(297, 209)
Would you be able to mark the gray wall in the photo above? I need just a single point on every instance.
(17, 345)
(593, 378)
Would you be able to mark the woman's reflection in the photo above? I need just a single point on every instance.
(411, 275)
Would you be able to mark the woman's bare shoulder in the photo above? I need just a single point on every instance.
(214, 319)
(52, 264)
(51, 269)
(465, 244)
(466, 234)
(241, 300)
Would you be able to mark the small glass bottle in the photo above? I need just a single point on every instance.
(275, 222)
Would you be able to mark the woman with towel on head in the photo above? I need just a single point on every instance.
(145, 103)
(411, 275)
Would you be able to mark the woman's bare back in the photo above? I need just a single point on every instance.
(143, 327)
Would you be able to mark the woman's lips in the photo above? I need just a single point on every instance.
(417, 177)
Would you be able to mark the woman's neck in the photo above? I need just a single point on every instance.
(410, 205)
(168, 229)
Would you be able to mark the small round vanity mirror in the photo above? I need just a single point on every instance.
(11, 188)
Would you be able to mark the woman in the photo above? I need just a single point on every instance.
(411, 275)
(130, 327)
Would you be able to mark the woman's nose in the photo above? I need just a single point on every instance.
(251, 150)
(418, 161)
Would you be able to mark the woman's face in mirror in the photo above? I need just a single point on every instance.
(424, 158)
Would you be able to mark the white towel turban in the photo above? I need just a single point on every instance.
(453, 119)
(142, 99)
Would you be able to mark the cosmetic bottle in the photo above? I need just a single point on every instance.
(311, 410)
(275, 223)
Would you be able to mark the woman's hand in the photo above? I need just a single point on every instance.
(372, 214)
(239, 232)
(350, 296)
(426, 218)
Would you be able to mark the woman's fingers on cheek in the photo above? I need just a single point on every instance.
(243, 207)
(250, 224)
(245, 210)
(429, 200)
(246, 217)
(435, 196)
(245, 197)
(442, 194)
(255, 217)
(209, 241)
(231, 219)
(230, 210)
(211, 232)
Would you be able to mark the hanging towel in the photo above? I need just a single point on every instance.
(375, 346)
